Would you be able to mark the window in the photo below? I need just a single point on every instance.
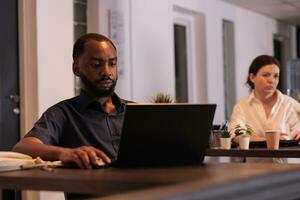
(80, 28)
(80, 19)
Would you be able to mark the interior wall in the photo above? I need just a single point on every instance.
(54, 49)
(254, 36)
(145, 36)
(112, 18)
(151, 44)
(152, 49)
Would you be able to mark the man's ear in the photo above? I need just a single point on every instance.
(76, 69)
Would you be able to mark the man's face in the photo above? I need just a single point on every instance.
(97, 68)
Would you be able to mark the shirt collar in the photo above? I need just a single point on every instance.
(253, 99)
(87, 101)
(280, 98)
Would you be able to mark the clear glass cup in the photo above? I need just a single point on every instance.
(215, 136)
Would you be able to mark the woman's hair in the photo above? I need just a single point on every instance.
(257, 63)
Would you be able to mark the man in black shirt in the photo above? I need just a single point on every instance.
(86, 127)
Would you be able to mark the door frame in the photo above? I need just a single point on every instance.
(196, 50)
(28, 73)
(187, 21)
(27, 65)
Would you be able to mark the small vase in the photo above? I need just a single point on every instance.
(225, 143)
(244, 142)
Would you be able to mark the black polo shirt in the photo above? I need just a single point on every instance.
(81, 121)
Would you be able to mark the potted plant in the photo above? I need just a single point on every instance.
(225, 139)
(243, 133)
(162, 98)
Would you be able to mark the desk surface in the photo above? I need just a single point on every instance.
(283, 152)
(207, 181)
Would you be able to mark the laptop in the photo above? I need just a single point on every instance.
(165, 134)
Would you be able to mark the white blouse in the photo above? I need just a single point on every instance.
(284, 115)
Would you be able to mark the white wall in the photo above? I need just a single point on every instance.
(54, 48)
(152, 49)
(254, 36)
(147, 48)
(146, 34)
(112, 18)
(151, 44)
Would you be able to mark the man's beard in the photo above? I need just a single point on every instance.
(98, 92)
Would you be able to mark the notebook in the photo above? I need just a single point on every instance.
(165, 134)
(11, 161)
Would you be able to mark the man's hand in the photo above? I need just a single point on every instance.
(84, 156)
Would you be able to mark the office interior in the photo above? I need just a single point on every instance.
(211, 42)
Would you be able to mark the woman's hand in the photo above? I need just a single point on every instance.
(295, 135)
(284, 136)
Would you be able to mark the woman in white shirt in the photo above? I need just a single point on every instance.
(266, 107)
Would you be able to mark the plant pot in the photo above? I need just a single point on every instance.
(244, 142)
(225, 143)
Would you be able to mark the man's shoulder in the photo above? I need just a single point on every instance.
(64, 104)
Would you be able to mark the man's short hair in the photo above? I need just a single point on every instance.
(78, 47)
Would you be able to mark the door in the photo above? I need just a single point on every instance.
(9, 111)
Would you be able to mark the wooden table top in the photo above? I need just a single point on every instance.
(214, 180)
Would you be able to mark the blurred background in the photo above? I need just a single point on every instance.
(196, 51)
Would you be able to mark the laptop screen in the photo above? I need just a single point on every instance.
(165, 134)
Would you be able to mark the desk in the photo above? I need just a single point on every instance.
(210, 181)
(282, 152)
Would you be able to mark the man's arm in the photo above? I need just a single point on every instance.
(83, 156)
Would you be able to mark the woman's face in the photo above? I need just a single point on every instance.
(266, 79)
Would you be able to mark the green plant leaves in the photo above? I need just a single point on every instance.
(240, 130)
(225, 134)
(162, 98)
